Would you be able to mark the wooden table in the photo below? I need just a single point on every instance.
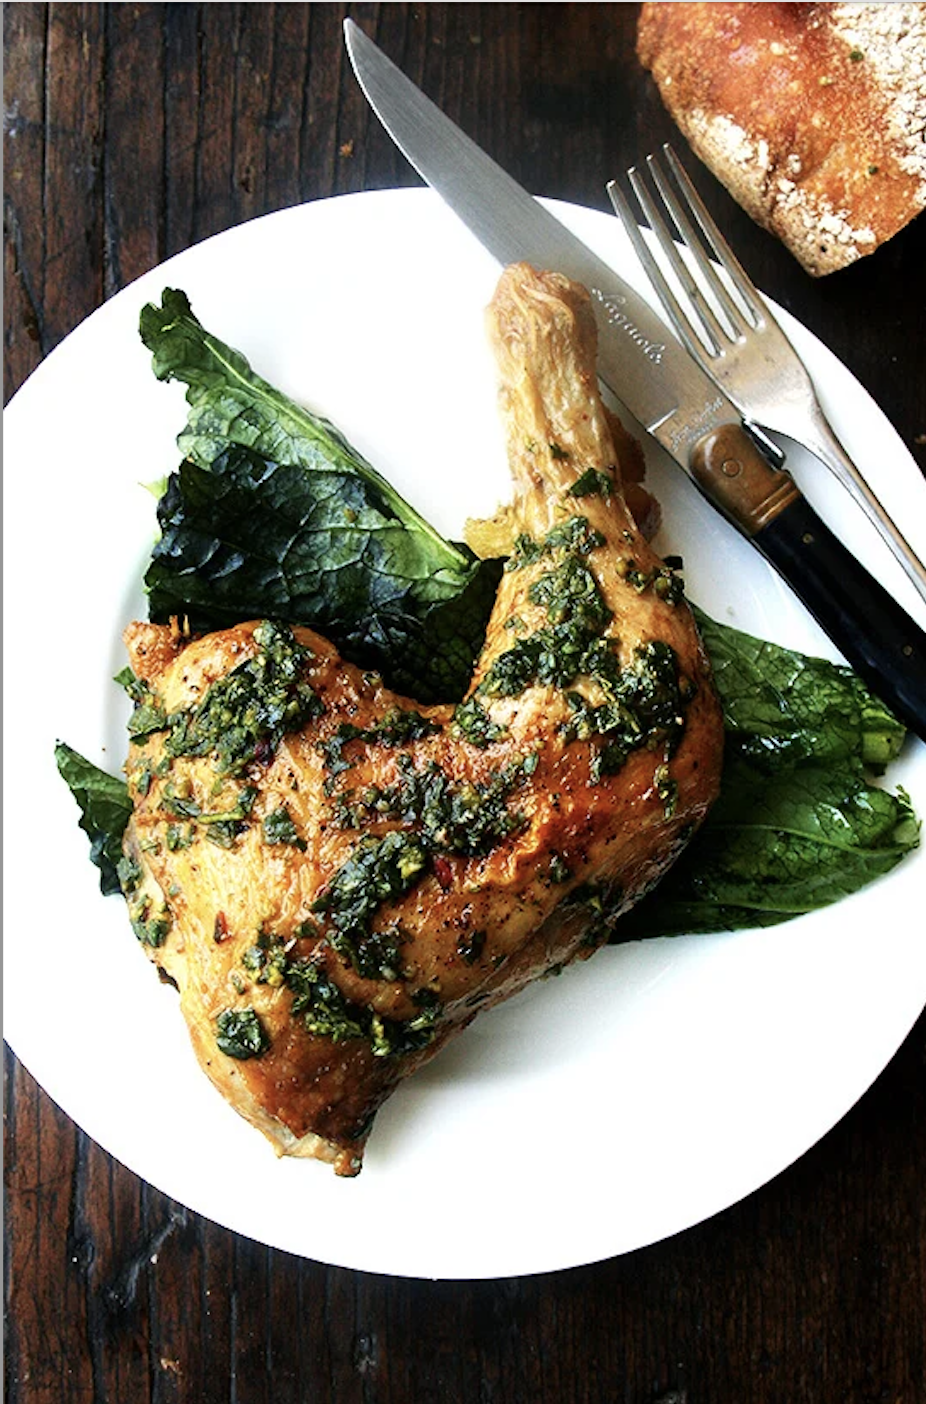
(133, 131)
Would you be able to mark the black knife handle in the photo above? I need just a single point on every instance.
(873, 632)
(877, 637)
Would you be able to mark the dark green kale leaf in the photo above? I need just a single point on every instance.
(798, 823)
(231, 404)
(775, 847)
(247, 538)
(782, 707)
(105, 808)
(274, 515)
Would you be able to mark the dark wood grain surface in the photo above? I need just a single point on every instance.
(132, 131)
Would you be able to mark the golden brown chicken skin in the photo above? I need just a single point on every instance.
(338, 879)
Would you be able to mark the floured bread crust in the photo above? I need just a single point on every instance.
(812, 115)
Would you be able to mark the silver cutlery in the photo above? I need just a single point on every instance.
(727, 327)
(665, 389)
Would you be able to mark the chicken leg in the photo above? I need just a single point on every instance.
(338, 879)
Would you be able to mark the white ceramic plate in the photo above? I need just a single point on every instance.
(597, 1113)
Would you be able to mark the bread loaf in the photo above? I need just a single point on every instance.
(812, 115)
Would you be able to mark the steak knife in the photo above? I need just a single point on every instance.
(667, 392)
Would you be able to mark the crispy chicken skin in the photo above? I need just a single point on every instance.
(338, 879)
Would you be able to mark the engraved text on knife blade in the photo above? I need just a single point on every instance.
(687, 427)
(614, 304)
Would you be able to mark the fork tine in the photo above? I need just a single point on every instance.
(715, 240)
(730, 311)
(717, 331)
(697, 325)
(655, 274)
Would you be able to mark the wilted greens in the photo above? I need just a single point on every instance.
(273, 515)
(104, 806)
(799, 824)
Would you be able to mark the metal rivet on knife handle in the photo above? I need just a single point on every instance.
(734, 475)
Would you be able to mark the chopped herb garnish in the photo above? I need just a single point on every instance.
(592, 483)
(329, 1014)
(179, 837)
(151, 927)
(278, 827)
(666, 584)
(575, 534)
(444, 816)
(452, 816)
(240, 1034)
(472, 722)
(136, 688)
(147, 719)
(645, 704)
(245, 714)
(396, 728)
(267, 960)
(224, 826)
(129, 873)
(378, 870)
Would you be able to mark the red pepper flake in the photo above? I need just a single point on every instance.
(263, 751)
(220, 930)
(443, 872)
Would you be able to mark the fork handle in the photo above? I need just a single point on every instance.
(821, 440)
(873, 632)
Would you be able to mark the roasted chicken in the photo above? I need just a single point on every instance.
(338, 879)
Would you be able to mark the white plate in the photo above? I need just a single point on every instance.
(597, 1113)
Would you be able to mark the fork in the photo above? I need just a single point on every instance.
(731, 333)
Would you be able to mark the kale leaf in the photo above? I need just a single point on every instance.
(274, 515)
(798, 823)
(782, 707)
(774, 848)
(105, 808)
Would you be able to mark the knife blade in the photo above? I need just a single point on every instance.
(667, 392)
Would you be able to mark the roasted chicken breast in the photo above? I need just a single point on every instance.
(338, 879)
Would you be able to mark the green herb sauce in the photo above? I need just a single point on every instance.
(575, 534)
(379, 869)
(279, 827)
(244, 715)
(663, 579)
(643, 704)
(452, 816)
(442, 816)
(396, 728)
(328, 1013)
(222, 826)
(472, 723)
(592, 483)
(240, 1034)
(151, 925)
